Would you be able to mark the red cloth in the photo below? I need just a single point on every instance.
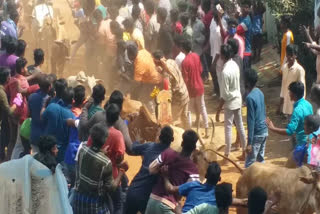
(33, 88)
(116, 148)
(207, 20)
(177, 27)
(191, 69)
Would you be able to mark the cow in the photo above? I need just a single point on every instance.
(59, 56)
(82, 79)
(299, 187)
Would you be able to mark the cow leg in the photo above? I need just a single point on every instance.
(53, 66)
(60, 67)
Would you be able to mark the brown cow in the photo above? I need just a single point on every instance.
(59, 56)
(300, 187)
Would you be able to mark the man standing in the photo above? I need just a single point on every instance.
(9, 59)
(256, 117)
(231, 99)
(191, 72)
(301, 109)
(165, 40)
(179, 91)
(181, 169)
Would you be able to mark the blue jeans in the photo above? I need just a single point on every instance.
(257, 154)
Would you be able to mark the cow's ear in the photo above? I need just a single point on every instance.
(307, 180)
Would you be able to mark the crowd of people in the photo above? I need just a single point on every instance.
(141, 45)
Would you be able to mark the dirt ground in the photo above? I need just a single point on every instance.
(277, 148)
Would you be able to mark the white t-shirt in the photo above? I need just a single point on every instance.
(179, 59)
(215, 38)
(40, 12)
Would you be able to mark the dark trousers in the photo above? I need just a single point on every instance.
(5, 137)
(135, 203)
(205, 65)
(257, 42)
(26, 146)
(215, 82)
(117, 201)
(246, 62)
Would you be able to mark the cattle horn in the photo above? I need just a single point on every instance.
(228, 159)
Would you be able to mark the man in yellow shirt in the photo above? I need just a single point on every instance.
(287, 38)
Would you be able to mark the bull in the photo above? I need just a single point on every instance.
(299, 187)
(59, 56)
(82, 79)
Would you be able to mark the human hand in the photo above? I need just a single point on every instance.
(307, 44)
(137, 135)
(249, 149)
(18, 100)
(164, 171)
(304, 29)
(124, 166)
(218, 116)
(89, 103)
(269, 123)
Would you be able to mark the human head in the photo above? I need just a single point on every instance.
(223, 194)
(48, 144)
(189, 141)
(44, 83)
(296, 90)
(311, 123)
(182, 6)
(79, 95)
(245, 7)
(113, 12)
(178, 39)
(21, 48)
(174, 15)
(315, 94)
(226, 52)
(11, 45)
(59, 86)
(135, 12)
(14, 16)
(206, 5)
(184, 19)
(234, 44)
(116, 97)
(213, 173)
(193, 12)
(157, 56)
(128, 25)
(186, 46)
(116, 29)
(291, 52)
(4, 75)
(98, 134)
(21, 65)
(38, 56)
(4, 41)
(135, 2)
(285, 22)
(232, 26)
(97, 16)
(250, 78)
(112, 114)
(149, 7)
(98, 94)
(256, 200)
(132, 50)
(161, 15)
(166, 135)
(67, 96)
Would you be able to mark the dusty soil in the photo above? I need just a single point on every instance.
(277, 148)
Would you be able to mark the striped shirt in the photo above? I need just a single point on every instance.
(180, 95)
(93, 173)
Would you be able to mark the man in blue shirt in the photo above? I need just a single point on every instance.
(195, 192)
(55, 118)
(9, 27)
(141, 186)
(35, 103)
(256, 120)
(301, 109)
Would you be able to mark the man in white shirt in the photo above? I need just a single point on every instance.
(180, 57)
(292, 71)
(39, 13)
(231, 99)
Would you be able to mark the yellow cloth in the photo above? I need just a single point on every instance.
(136, 36)
(98, 2)
(287, 39)
(126, 36)
(145, 69)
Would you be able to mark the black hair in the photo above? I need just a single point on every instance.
(132, 49)
(193, 9)
(178, 39)
(184, 18)
(313, 122)
(246, 2)
(79, 95)
(226, 51)
(182, 6)
(116, 97)
(158, 54)
(44, 83)
(11, 45)
(4, 41)
(190, 139)
(135, 2)
(292, 50)
(135, 12)
(97, 15)
(59, 86)
(162, 14)
(315, 94)
(257, 200)
(122, 46)
(98, 134)
(232, 21)
(14, 15)
(113, 11)
(128, 24)
(149, 7)
(223, 194)
(234, 44)
(250, 77)
(21, 48)
(174, 15)
(166, 135)
(98, 93)
(20, 64)
(68, 95)
(116, 29)
(213, 173)
(38, 56)
(112, 113)
(285, 19)
(186, 45)
(4, 75)
(46, 144)
(206, 5)
(297, 89)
